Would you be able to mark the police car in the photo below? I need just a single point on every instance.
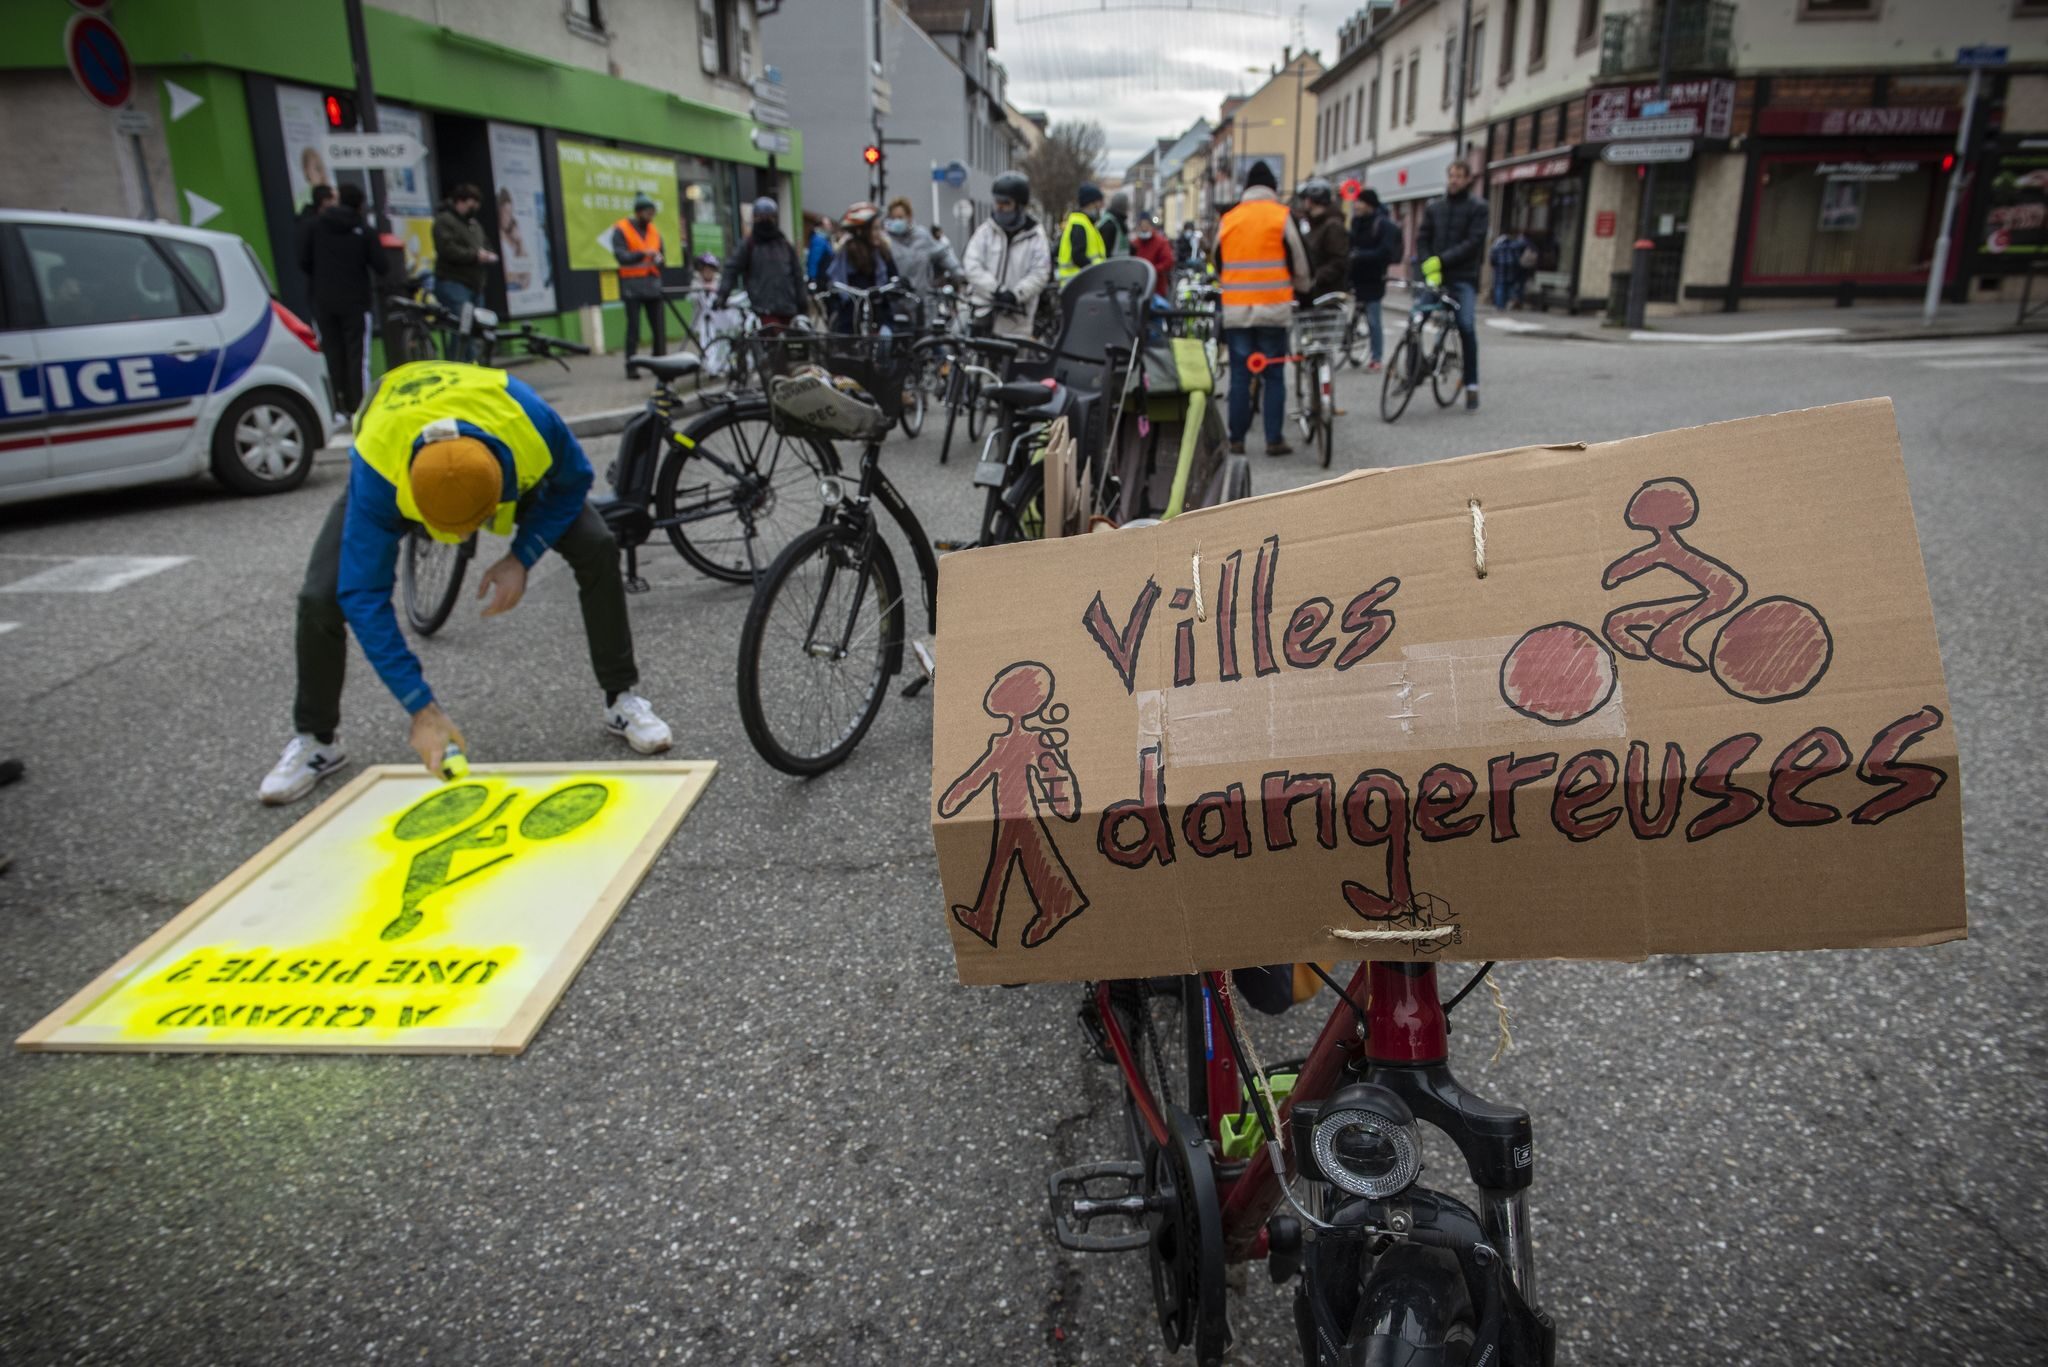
(136, 352)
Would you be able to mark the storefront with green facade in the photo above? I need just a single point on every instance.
(238, 93)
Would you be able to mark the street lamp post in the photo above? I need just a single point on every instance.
(1639, 268)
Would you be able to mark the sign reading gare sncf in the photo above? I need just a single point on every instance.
(1673, 694)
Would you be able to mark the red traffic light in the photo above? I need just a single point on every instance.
(871, 154)
(1948, 162)
(340, 110)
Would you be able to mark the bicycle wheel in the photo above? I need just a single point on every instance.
(1398, 380)
(430, 576)
(1355, 338)
(1324, 436)
(1447, 377)
(732, 491)
(916, 397)
(977, 409)
(415, 341)
(822, 637)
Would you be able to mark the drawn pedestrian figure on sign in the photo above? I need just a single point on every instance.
(1773, 649)
(1026, 771)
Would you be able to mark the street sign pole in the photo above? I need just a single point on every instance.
(1639, 269)
(366, 102)
(1937, 269)
(937, 176)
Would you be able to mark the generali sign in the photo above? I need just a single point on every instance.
(1897, 121)
(1674, 694)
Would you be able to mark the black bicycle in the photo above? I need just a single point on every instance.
(727, 488)
(1428, 350)
(828, 626)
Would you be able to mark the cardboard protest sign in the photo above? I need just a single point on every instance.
(403, 915)
(1674, 694)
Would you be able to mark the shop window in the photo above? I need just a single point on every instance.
(1510, 16)
(1839, 9)
(1539, 32)
(89, 276)
(1835, 216)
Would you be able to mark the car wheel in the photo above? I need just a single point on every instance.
(265, 443)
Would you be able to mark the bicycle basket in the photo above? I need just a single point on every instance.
(1317, 330)
(856, 398)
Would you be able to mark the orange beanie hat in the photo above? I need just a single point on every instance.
(456, 484)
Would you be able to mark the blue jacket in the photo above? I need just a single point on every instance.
(817, 257)
(371, 531)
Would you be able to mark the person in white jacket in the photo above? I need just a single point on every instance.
(1008, 262)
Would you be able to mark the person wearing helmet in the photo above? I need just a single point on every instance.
(863, 261)
(1329, 245)
(450, 449)
(1008, 262)
(769, 269)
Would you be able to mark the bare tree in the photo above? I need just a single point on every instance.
(1071, 153)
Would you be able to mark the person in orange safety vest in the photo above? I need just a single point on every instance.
(636, 242)
(1261, 264)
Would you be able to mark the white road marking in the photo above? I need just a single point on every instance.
(1919, 350)
(1984, 362)
(6, 627)
(91, 573)
(1776, 335)
(1516, 325)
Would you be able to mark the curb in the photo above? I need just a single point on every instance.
(1844, 337)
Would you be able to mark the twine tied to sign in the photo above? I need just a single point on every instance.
(1500, 1011)
(1201, 611)
(1437, 933)
(1478, 536)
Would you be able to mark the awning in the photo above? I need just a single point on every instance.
(1552, 161)
(1413, 175)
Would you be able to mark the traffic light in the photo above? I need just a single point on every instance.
(1948, 162)
(340, 109)
(871, 154)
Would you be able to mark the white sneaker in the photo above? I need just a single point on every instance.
(632, 717)
(304, 763)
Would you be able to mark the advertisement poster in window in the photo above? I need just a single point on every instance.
(303, 122)
(1841, 205)
(522, 209)
(408, 190)
(2016, 223)
(599, 185)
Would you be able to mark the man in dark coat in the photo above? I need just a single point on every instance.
(1375, 245)
(321, 196)
(769, 269)
(1452, 247)
(343, 257)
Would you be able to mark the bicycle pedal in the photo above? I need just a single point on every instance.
(1095, 1191)
(635, 584)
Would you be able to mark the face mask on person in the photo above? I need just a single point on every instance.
(1007, 219)
(899, 227)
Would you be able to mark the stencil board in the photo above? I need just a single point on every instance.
(403, 915)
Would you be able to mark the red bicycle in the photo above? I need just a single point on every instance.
(1389, 1272)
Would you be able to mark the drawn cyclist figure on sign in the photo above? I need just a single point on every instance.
(1026, 772)
(1771, 650)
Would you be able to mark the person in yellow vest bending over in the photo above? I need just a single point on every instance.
(1261, 263)
(453, 449)
(1081, 242)
(636, 242)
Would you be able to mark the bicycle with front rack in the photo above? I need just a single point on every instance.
(430, 572)
(894, 313)
(1430, 350)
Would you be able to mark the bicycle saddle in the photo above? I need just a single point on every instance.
(1023, 393)
(665, 367)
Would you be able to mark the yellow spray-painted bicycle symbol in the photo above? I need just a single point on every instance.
(452, 815)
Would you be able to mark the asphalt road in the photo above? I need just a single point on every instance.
(766, 1125)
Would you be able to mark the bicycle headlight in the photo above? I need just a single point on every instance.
(830, 492)
(1365, 1142)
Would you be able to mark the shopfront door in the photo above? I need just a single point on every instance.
(1670, 208)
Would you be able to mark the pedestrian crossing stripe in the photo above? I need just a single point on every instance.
(89, 573)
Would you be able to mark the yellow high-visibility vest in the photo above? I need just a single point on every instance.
(1091, 236)
(440, 394)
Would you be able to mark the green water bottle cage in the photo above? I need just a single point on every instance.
(1243, 1133)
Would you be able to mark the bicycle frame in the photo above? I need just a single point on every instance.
(1408, 1050)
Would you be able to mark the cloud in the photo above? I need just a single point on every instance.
(1147, 69)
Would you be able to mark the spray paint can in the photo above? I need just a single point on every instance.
(454, 764)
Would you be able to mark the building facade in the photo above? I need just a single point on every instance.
(1803, 149)
(558, 113)
(912, 77)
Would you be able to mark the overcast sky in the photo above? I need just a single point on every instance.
(1146, 69)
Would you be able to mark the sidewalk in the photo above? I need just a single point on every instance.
(1822, 323)
(593, 394)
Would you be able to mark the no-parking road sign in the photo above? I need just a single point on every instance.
(99, 61)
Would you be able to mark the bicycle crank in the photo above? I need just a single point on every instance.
(1185, 1221)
